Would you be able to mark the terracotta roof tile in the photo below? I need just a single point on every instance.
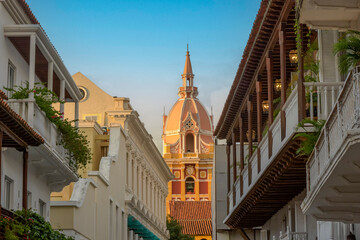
(18, 125)
(193, 216)
(3, 95)
(28, 11)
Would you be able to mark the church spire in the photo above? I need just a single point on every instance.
(188, 75)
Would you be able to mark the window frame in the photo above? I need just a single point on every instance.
(8, 193)
(42, 208)
(11, 79)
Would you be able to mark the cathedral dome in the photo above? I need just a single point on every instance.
(187, 114)
(188, 128)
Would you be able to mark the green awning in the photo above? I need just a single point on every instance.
(140, 229)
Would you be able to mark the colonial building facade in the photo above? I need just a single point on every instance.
(188, 149)
(32, 163)
(273, 190)
(123, 190)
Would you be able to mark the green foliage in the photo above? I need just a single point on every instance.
(29, 225)
(72, 139)
(310, 138)
(311, 65)
(175, 230)
(349, 47)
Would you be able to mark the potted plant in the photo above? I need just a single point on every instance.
(349, 49)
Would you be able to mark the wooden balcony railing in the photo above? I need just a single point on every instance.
(320, 99)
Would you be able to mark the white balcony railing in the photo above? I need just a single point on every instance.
(293, 235)
(320, 98)
(40, 123)
(344, 116)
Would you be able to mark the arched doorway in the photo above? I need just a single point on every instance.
(190, 185)
(189, 143)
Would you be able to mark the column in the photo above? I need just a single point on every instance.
(129, 173)
(197, 183)
(269, 69)
(140, 182)
(25, 178)
(196, 138)
(300, 86)
(146, 190)
(259, 119)
(62, 94)
(242, 158)
(234, 165)
(158, 203)
(182, 191)
(228, 173)
(249, 133)
(131, 235)
(144, 186)
(30, 119)
(125, 226)
(282, 43)
(1, 142)
(77, 113)
(259, 108)
(249, 136)
(154, 196)
(50, 75)
(135, 178)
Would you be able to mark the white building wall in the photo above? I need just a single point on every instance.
(12, 160)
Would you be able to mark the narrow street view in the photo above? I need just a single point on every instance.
(180, 120)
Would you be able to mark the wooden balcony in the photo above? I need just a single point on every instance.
(333, 169)
(275, 173)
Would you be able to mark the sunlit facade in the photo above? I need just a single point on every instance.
(188, 145)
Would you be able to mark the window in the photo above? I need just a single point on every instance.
(8, 192)
(189, 142)
(110, 220)
(91, 118)
(42, 208)
(10, 77)
(29, 199)
(190, 186)
(117, 237)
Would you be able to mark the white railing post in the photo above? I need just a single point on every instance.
(32, 47)
(62, 94)
(77, 113)
(319, 108)
(50, 75)
(311, 103)
(326, 102)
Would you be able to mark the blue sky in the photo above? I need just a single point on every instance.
(136, 48)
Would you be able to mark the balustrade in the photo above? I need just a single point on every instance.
(344, 116)
(41, 124)
(320, 98)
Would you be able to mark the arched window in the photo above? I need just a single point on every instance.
(189, 185)
(189, 140)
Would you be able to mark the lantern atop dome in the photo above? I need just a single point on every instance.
(188, 89)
